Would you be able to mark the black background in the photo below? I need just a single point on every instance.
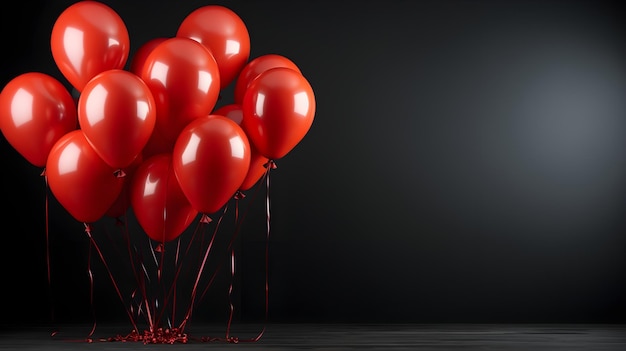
(467, 163)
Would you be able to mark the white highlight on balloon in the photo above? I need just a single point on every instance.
(159, 72)
(232, 47)
(149, 187)
(143, 109)
(113, 42)
(198, 39)
(189, 154)
(260, 104)
(22, 107)
(301, 103)
(68, 162)
(204, 81)
(95, 104)
(237, 147)
(73, 43)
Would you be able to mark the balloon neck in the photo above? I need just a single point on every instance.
(270, 164)
(205, 219)
(119, 173)
(239, 195)
(119, 222)
(159, 248)
(43, 172)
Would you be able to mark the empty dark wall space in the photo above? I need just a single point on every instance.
(466, 163)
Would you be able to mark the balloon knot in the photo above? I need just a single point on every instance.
(119, 173)
(43, 173)
(205, 219)
(271, 164)
(160, 248)
(239, 195)
(88, 229)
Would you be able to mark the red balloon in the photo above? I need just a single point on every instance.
(157, 200)
(257, 66)
(278, 111)
(232, 111)
(80, 180)
(224, 33)
(88, 38)
(116, 111)
(122, 203)
(184, 79)
(157, 145)
(257, 169)
(139, 58)
(257, 161)
(35, 112)
(211, 159)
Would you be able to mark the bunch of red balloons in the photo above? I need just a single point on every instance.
(150, 137)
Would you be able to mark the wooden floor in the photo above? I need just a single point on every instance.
(340, 337)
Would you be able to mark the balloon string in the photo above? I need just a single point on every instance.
(95, 245)
(239, 195)
(154, 305)
(152, 252)
(141, 276)
(176, 264)
(161, 335)
(91, 292)
(160, 281)
(138, 276)
(270, 166)
(120, 221)
(230, 293)
(169, 295)
(233, 339)
(146, 277)
(200, 271)
(161, 250)
(177, 257)
(48, 264)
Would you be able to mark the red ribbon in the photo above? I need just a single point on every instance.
(159, 335)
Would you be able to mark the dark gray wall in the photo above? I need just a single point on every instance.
(466, 164)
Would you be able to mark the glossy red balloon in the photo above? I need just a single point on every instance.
(157, 200)
(122, 203)
(88, 38)
(224, 33)
(157, 145)
(36, 110)
(257, 66)
(257, 169)
(257, 161)
(211, 159)
(278, 111)
(184, 79)
(232, 111)
(80, 180)
(139, 58)
(117, 113)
